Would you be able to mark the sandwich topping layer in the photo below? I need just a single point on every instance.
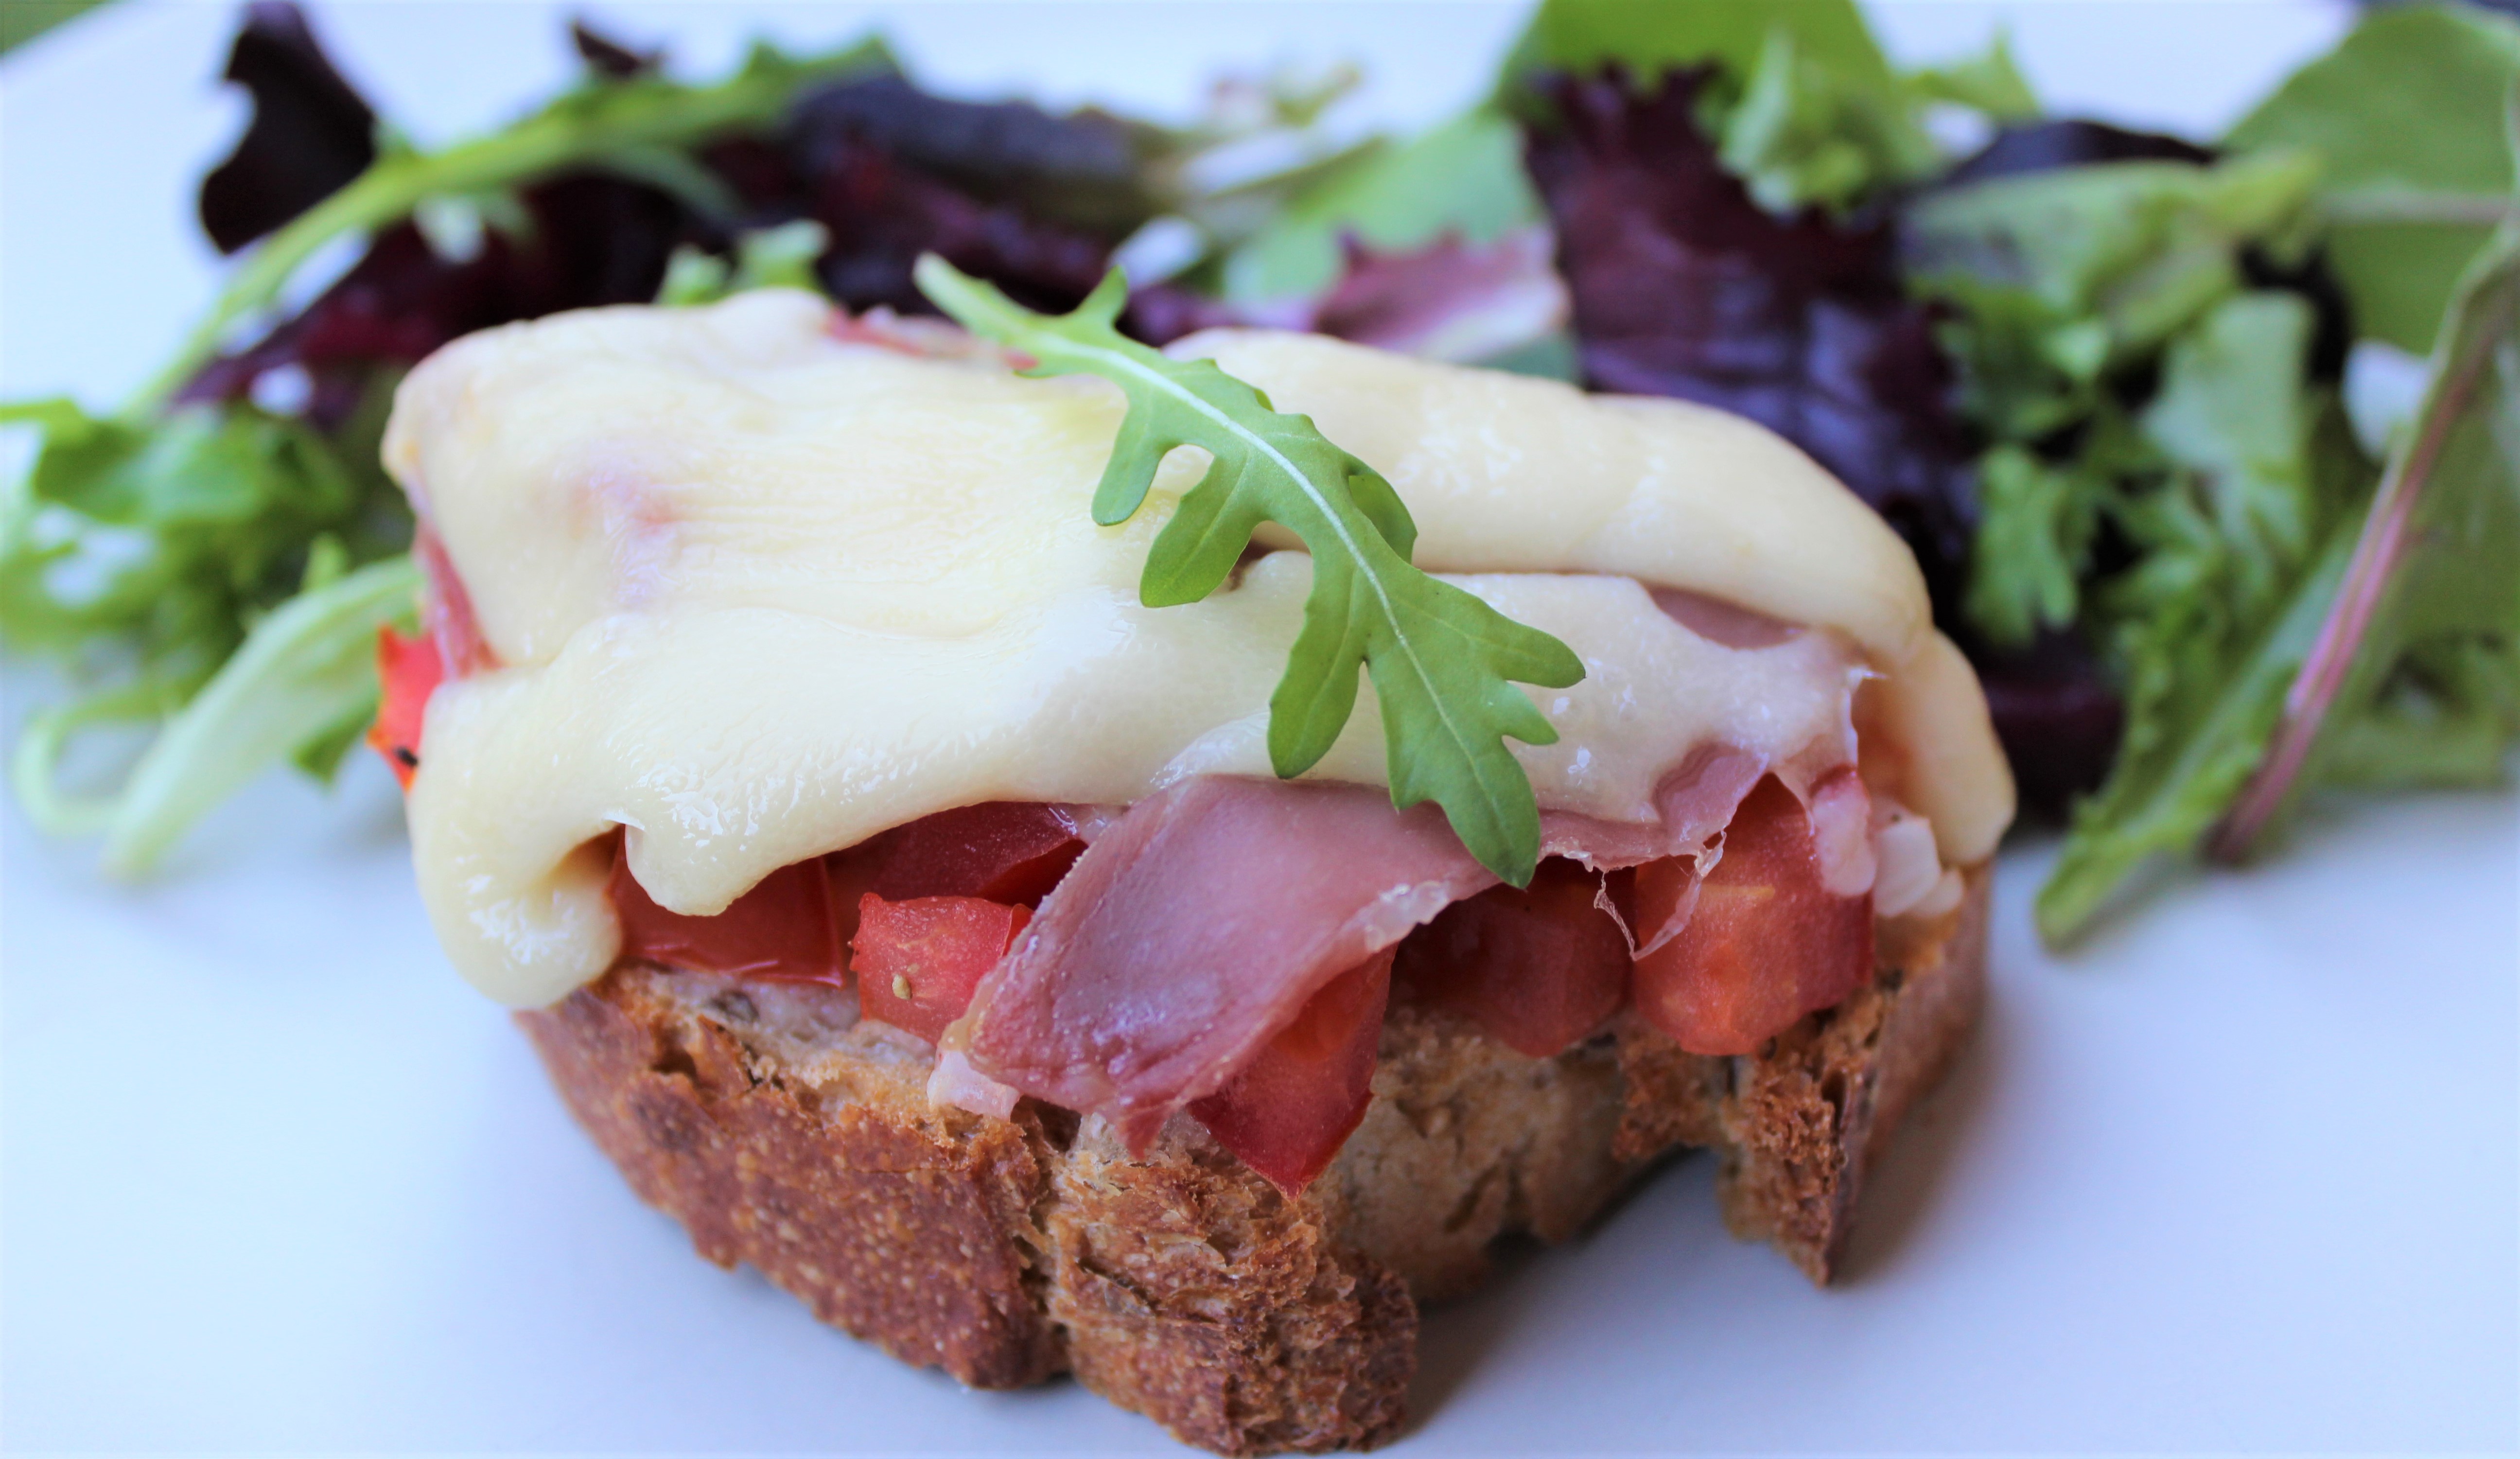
(752, 586)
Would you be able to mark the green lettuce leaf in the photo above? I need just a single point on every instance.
(2407, 117)
(1443, 663)
(1464, 176)
(2414, 678)
(2037, 520)
(2061, 285)
(164, 538)
(1990, 84)
(303, 674)
(2087, 267)
(780, 258)
(2239, 549)
(1806, 108)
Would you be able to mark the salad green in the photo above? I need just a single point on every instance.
(2100, 380)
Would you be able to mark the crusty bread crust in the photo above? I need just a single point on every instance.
(781, 1131)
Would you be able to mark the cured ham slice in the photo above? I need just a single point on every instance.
(1197, 927)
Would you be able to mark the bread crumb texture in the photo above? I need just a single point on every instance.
(782, 1131)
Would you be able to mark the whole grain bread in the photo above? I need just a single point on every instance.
(782, 1131)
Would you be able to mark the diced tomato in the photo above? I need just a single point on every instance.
(410, 669)
(1003, 850)
(1010, 852)
(1767, 942)
(1291, 1108)
(783, 928)
(917, 960)
(1538, 968)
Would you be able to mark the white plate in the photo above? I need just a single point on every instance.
(2242, 1173)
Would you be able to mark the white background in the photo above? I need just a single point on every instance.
(2242, 1172)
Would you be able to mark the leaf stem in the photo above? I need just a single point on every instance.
(2417, 206)
(2385, 540)
(631, 118)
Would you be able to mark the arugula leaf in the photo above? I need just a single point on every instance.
(1799, 135)
(1440, 659)
(2407, 116)
(633, 124)
(2414, 674)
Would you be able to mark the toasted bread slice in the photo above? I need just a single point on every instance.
(782, 1131)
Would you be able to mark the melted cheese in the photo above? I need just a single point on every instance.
(760, 592)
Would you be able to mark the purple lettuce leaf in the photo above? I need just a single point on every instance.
(311, 133)
(2069, 142)
(610, 58)
(1684, 285)
(594, 239)
(890, 171)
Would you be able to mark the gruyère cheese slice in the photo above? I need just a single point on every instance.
(759, 590)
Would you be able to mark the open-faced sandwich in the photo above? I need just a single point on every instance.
(916, 913)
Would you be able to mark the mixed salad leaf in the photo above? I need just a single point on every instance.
(2206, 446)
(2094, 377)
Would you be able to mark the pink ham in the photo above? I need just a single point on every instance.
(1194, 929)
(1198, 923)
(446, 610)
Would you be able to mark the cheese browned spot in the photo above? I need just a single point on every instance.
(757, 592)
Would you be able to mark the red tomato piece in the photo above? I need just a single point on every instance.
(410, 669)
(1010, 852)
(781, 927)
(1291, 1108)
(1766, 945)
(1003, 850)
(917, 960)
(1538, 968)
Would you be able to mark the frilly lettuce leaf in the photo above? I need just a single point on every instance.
(303, 685)
(1990, 84)
(2109, 259)
(1804, 106)
(2237, 549)
(2060, 282)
